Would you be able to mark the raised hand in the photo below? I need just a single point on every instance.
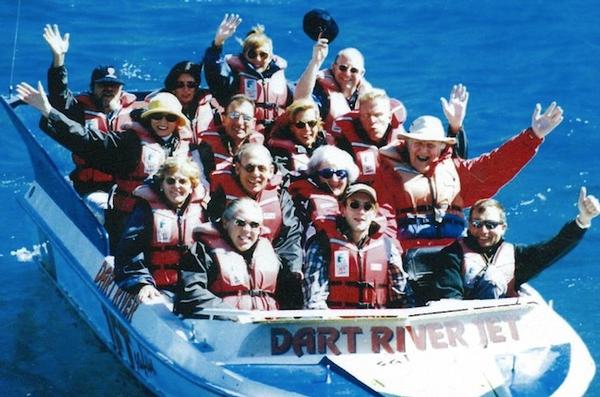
(543, 123)
(58, 45)
(36, 98)
(588, 206)
(455, 109)
(227, 28)
(320, 51)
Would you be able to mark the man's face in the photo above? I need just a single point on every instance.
(239, 121)
(487, 227)
(254, 172)
(108, 94)
(375, 116)
(348, 71)
(244, 229)
(423, 153)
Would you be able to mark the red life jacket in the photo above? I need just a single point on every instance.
(366, 154)
(429, 208)
(358, 278)
(222, 151)
(270, 95)
(245, 286)
(268, 199)
(93, 116)
(322, 208)
(172, 233)
(152, 157)
(474, 267)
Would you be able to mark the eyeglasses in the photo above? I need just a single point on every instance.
(241, 223)
(253, 54)
(328, 173)
(344, 68)
(188, 84)
(490, 225)
(303, 124)
(357, 204)
(171, 118)
(171, 181)
(251, 167)
(236, 116)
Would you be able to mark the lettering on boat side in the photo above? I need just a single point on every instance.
(125, 302)
(480, 332)
(134, 354)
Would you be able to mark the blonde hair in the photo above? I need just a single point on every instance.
(185, 165)
(256, 38)
(375, 93)
(302, 105)
(482, 205)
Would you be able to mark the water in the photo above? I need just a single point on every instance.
(510, 54)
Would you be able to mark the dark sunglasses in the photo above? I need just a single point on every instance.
(171, 181)
(236, 116)
(344, 68)
(171, 118)
(356, 205)
(253, 54)
(188, 84)
(252, 167)
(490, 225)
(329, 172)
(303, 124)
(242, 223)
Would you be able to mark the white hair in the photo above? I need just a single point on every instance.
(340, 159)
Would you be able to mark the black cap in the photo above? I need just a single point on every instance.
(193, 69)
(318, 22)
(105, 74)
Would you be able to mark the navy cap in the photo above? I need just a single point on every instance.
(318, 22)
(105, 74)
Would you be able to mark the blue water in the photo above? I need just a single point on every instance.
(510, 54)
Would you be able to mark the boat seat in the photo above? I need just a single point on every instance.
(419, 263)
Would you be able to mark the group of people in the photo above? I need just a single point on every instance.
(260, 194)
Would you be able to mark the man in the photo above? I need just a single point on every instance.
(425, 189)
(335, 90)
(252, 175)
(105, 107)
(484, 266)
(352, 264)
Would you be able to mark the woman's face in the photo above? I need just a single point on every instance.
(177, 188)
(333, 176)
(305, 127)
(185, 88)
(259, 57)
(244, 229)
(163, 124)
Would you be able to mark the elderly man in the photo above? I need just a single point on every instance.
(351, 263)
(335, 90)
(426, 190)
(484, 266)
(252, 175)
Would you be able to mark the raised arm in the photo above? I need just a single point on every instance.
(543, 123)
(307, 81)
(59, 45)
(36, 98)
(455, 109)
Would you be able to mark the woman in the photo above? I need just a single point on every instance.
(131, 156)
(197, 104)
(329, 172)
(230, 266)
(159, 230)
(256, 72)
(296, 139)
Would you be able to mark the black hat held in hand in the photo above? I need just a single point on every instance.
(318, 22)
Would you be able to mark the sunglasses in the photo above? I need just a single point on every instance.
(354, 204)
(345, 68)
(490, 225)
(303, 124)
(171, 118)
(171, 181)
(242, 223)
(253, 54)
(251, 167)
(328, 173)
(236, 116)
(188, 84)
